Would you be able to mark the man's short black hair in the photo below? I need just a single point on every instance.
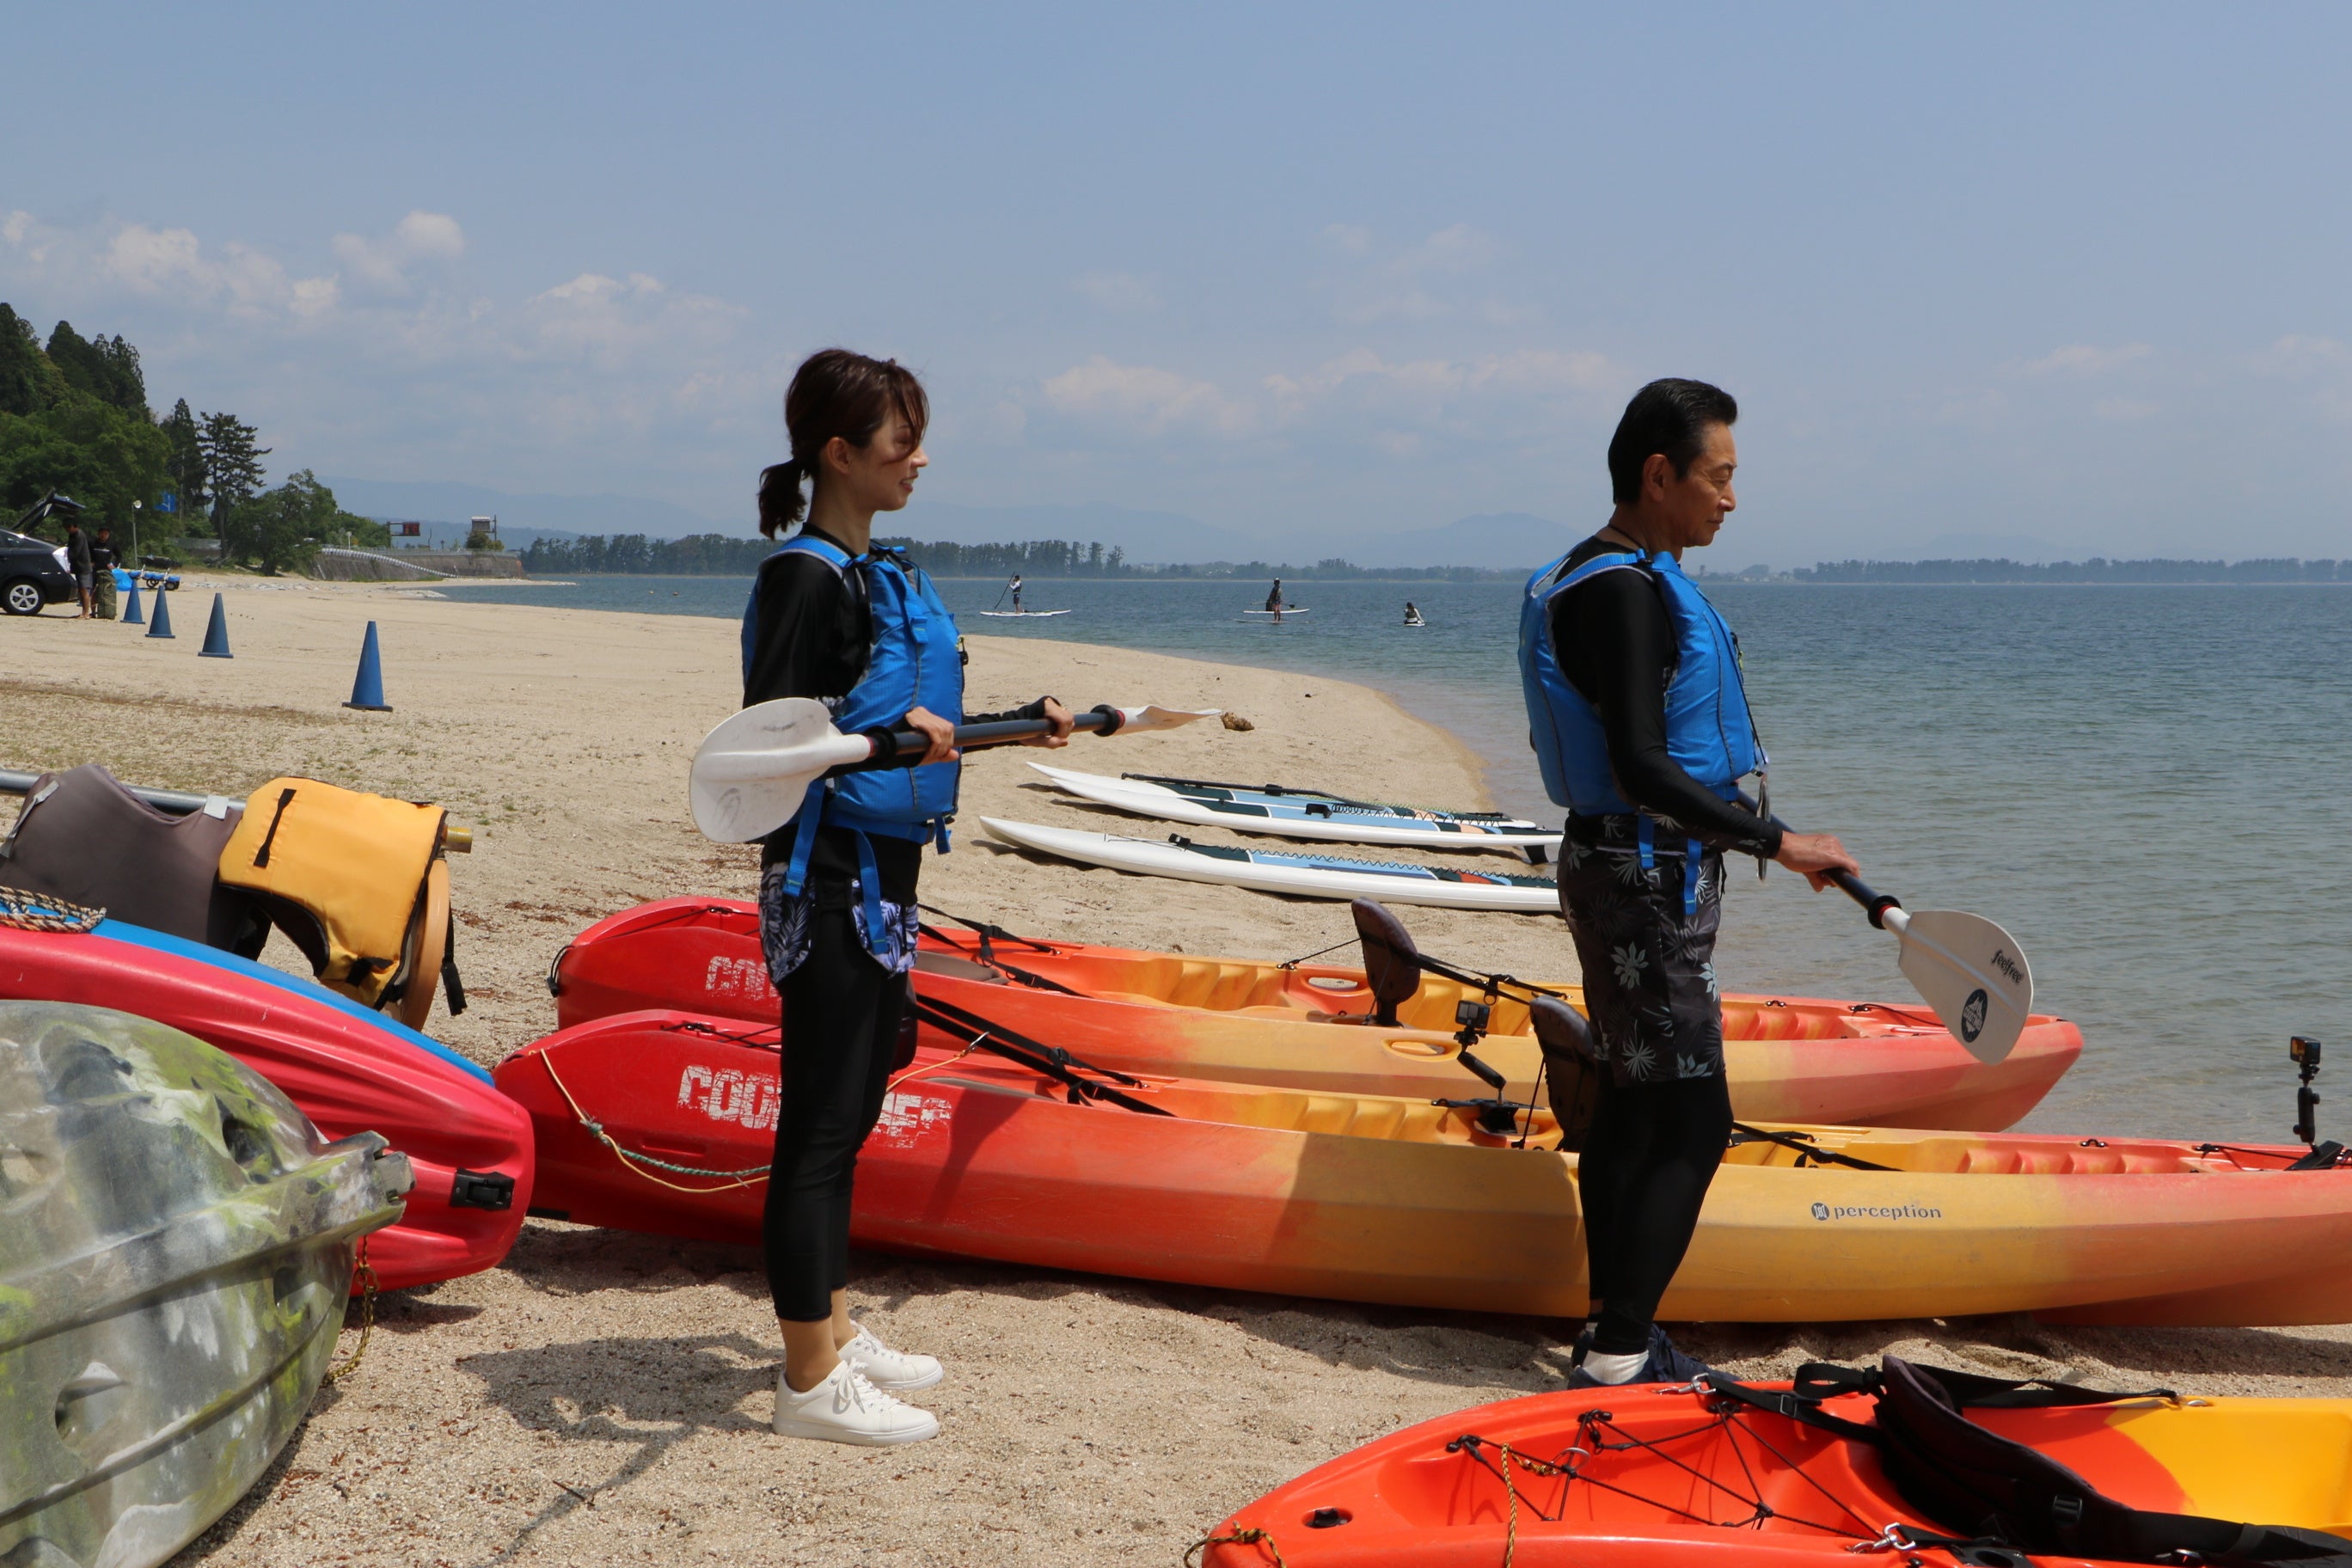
(1670, 415)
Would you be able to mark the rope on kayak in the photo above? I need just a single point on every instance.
(366, 1272)
(1248, 1535)
(933, 1067)
(38, 911)
(1295, 962)
(637, 1161)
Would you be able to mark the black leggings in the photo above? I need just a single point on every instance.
(1644, 1171)
(842, 1012)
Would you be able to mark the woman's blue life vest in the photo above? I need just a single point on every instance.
(914, 662)
(1710, 732)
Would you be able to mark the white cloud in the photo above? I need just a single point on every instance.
(2085, 359)
(384, 265)
(1424, 281)
(1144, 398)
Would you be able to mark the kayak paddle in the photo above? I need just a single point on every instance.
(753, 771)
(1968, 969)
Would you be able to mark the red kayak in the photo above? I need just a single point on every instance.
(350, 1069)
(1308, 1025)
(1900, 1465)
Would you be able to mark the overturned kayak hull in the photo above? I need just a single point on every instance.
(350, 1070)
(176, 1247)
(1398, 1200)
(1296, 874)
(1668, 1477)
(1244, 1021)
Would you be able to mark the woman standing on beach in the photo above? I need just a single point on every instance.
(862, 630)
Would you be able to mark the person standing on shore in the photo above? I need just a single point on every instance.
(103, 558)
(1642, 730)
(862, 630)
(77, 562)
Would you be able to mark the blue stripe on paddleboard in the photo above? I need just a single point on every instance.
(1392, 869)
(309, 990)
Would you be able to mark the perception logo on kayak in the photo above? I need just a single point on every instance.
(1875, 1211)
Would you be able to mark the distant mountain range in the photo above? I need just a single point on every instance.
(445, 501)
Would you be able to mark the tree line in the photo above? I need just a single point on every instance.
(2098, 569)
(74, 421)
(723, 555)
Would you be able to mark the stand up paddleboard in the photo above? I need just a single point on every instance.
(1301, 876)
(1277, 614)
(1023, 615)
(1295, 814)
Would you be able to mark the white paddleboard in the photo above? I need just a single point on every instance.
(1305, 875)
(1277, 614)
(1023, 615)
(1316, 820)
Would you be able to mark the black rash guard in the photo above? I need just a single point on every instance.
(814, 637)
(1616, 645)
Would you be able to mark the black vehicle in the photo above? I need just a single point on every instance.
(33, 573)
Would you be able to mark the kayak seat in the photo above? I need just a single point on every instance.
(1392, 960)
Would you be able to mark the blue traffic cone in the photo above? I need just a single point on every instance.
(132, 615)
(161, 626)
(216, 634)
(367, 691)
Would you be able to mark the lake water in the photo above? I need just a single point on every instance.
(2133, 780)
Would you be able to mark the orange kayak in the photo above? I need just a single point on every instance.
(1246, 1021)
(1652, 1476)
(1365, 1198)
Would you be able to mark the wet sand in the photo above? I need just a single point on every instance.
(604, 1398)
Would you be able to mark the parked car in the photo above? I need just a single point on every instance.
(33, 575)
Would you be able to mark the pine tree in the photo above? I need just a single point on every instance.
(185, 466)
(233, 470)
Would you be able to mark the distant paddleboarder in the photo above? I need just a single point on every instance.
(1642, 731)
(1273, 599)
(1015, 587)
(1412, 615)
(862, 630)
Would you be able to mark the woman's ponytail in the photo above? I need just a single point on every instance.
(834, 393)
(782, 503)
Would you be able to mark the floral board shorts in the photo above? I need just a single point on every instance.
(1649, 967)
(784, 926)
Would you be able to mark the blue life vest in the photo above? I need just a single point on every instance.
(1710, 734)
(912, 662)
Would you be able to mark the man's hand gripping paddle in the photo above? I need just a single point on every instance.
(753, 771)
(1968, 969)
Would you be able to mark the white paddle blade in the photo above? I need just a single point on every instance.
(1971, 972)
(1135, 720)
(752, 771)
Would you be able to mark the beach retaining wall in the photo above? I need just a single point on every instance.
(338, 565)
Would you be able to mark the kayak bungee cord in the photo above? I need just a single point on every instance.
(1052, 1061)
(635, 1160)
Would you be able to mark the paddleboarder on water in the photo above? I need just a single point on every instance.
(861, 629)
(1274, 598)
(1015, 585)
(1642, 730)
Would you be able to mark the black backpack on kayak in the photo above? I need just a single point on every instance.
(2010, 1498)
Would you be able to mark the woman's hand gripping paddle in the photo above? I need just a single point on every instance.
(1968, 969)
(753, 771)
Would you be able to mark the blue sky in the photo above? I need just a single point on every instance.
(2068, 274)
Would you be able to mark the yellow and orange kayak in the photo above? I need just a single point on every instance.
(1248, 1021)
(1366, 1198)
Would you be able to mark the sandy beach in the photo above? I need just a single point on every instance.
(604, 1398)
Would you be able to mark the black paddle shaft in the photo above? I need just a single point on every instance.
(906, 748)
(1874, 904)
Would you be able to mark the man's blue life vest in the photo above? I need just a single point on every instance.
(913, 662)
(1710, 734)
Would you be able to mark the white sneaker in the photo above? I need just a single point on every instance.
(893, 1371)
(846, 1408)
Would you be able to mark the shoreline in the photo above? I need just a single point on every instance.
(602, 1396)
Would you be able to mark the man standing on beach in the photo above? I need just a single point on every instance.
(77, 562)
(1640, 723)
(102, 557)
